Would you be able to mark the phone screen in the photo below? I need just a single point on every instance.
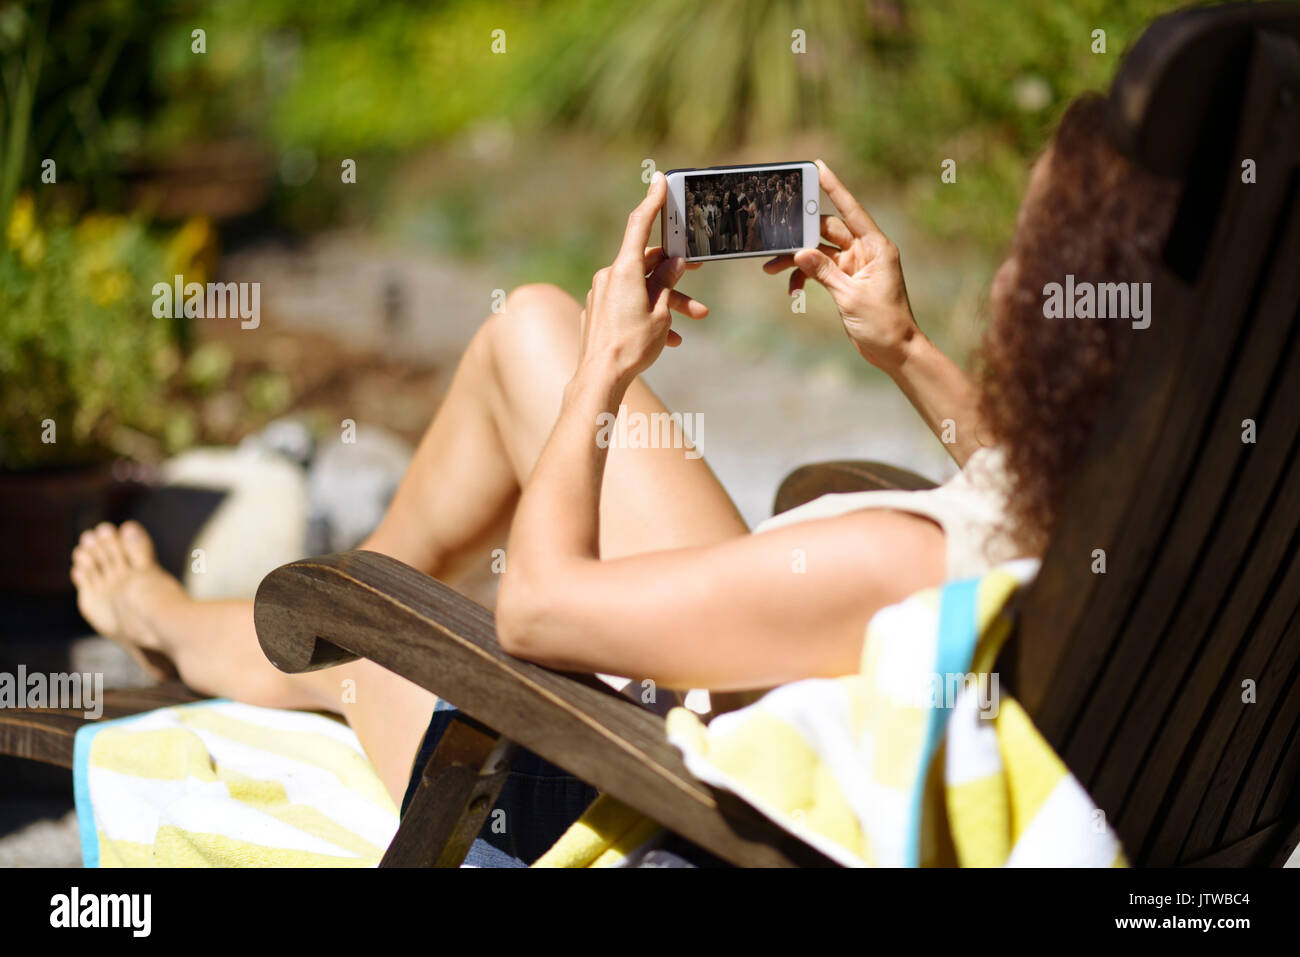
(745, 211)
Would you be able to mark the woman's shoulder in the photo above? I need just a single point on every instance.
(986, 469)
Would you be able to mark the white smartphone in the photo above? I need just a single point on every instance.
(730, 212)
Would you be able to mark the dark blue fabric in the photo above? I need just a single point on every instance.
(537, 803)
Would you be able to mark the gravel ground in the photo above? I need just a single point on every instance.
(48, 841)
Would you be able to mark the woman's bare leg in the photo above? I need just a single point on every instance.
(455, 499)
(488, 434)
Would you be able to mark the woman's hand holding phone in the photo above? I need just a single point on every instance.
(627, 321)
(555, 535)
(860, 268)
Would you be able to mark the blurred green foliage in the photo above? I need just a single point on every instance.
(900, 84)
(897, 86)
(74, 86)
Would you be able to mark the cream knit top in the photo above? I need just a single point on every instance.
(970, 508)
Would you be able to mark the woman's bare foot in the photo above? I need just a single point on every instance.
(120, 588)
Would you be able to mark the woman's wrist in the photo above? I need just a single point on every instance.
(600, 381)
(901, 350)
(910, 350)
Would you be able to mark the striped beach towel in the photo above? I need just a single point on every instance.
(920, 759)
(216, 783)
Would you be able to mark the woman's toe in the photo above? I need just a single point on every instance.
(84, 557)
(137, 545)
(83, 560)
(111, 556)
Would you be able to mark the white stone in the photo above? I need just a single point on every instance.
(260, 525)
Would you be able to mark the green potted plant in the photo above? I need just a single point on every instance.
(85, 367)
(86, 374)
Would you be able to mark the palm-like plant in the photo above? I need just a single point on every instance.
(707, 76)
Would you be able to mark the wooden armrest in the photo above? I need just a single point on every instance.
(49, 734)
(320, 612)
(821, 478)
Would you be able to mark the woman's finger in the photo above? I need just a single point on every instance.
(815, 264)
(855, 217)
(654, 255)
(667, 272)
(660, 300)
(681, 303)
(641, 220)
(833, 228)
(797, 279)
(786, 261)
(678, 302)
(674, 339)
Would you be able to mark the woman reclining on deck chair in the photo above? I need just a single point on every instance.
(635, 561)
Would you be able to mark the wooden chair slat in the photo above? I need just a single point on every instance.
(821, 478)
(1238, 783)
(1283, 744)
(1255, 850)
(47, 734)
(1249, 512)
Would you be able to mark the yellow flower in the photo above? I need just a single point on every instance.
(22, 221)
(108, 287)
(33, 249)
(190, 248)
(95, 227)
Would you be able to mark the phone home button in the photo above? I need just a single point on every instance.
(812, 207)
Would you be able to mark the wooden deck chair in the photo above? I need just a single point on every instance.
(1170, 684)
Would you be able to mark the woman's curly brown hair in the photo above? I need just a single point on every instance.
(1093, 214)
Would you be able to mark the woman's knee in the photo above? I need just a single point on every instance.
(539, 323)
(541, 301)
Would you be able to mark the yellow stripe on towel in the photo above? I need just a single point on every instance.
(223, 784)
(346, 763)
(173, 754)
(606, 834)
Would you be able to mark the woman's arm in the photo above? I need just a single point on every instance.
(860, 268)
(753, 611)
(941, 392)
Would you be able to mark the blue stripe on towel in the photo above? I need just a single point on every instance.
(953, 653)
(81, 791)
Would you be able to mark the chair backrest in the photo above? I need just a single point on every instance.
(1170, 684)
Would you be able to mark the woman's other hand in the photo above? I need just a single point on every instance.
(860, 268)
